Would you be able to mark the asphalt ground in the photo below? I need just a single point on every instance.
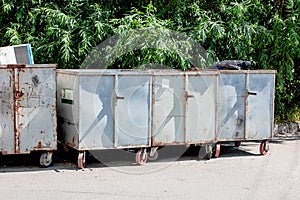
(239, 173)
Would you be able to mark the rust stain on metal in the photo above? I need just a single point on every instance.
(39, 145)
(186, 95)
(15, 108)
(4, 152)
(19, 94)
(16, 66)
(155, 143)
(237, 134)
(72, 144)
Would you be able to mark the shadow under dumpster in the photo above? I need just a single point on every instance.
(114, 158)
(283, 138)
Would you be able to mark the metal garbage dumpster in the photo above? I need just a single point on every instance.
(246, 106)
(148, 109)
(28, 110)
(104, 109)
(139, 109)
(184, 109)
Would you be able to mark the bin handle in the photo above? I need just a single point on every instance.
(252, 93)
(117, 97)
(187, 95)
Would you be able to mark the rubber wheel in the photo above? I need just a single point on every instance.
(81, 160)
(46, 161)
(208, 156)
(154, 157)
(140, 157)
(263, 149)
(217, 150)
(237, 143)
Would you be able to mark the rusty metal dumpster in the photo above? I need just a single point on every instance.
(246, 106)
(28, 110)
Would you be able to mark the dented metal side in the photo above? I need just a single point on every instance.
(28, 114)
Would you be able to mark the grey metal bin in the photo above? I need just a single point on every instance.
(104, 109)
(246, 106)
(184, 109)
(28, 110)
(148, 109)
(139, 109)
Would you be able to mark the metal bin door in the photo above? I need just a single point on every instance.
(96, 112)
(36, 110)
(132, 110)
(168, 110)
(231, 106)
(7, 139)
(201, 109)
(259, 114)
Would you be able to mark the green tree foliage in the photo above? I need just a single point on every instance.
(264, 32)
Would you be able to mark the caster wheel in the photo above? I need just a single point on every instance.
(205, 152)
(237, 143)
(217, 150)
(208, 155)
(81, 160)
(141, 157)
(154, 157)
(46, 159)
(264, 148)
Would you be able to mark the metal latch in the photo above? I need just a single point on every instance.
(239, 122)
(117, 97)
(252, 93)
(187, 95)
